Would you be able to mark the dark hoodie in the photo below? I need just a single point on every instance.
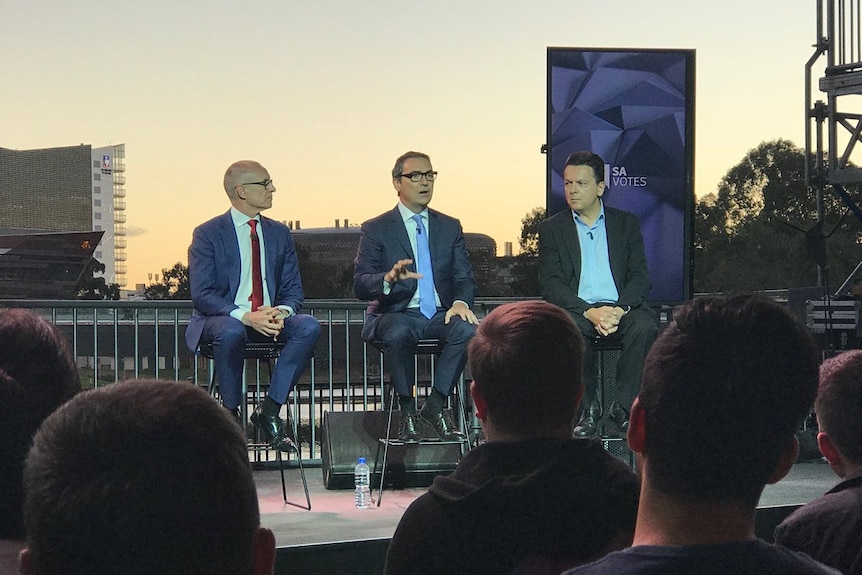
(532, 507)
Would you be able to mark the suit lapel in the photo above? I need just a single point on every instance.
(437, 243)
(231, 252)
(573, 245)
(401, 233)
(271, 248)
(613, 232)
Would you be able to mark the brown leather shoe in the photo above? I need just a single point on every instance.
(441, 425)
(408, 428)
(273, 429)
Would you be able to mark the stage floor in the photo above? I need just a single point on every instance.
(333, 517)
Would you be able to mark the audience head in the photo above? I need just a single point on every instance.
(37, 374)
(142, 477)
(526, 360)
(725, 386)
(839, 411)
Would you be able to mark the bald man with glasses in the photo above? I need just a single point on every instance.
(413, 269)
(245, 286)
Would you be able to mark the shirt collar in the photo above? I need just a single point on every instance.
(239, 218)
(600, 217)
(407, 215)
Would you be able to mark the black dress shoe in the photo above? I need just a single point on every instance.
(441, 425)
(273, 429)
(236, 415)
(620, 417)
(588, 425)
(408, 428)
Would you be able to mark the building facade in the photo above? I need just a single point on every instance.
(68, 189)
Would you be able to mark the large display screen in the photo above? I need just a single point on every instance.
(634, 108)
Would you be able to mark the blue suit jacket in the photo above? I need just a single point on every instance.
(384, 241)
(214, 270)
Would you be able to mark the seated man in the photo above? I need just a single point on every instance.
(531, 499)
(412, 266)
(142, 477)
(592, 264)
(37, 375)
(830, 528)
(725, 387)
(245, 285)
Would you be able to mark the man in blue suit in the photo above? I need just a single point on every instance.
(233, 307)
(592, 264)
(411, 298)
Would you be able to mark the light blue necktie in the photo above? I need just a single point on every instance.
(427, 305)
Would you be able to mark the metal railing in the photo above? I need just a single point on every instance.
(116, 340)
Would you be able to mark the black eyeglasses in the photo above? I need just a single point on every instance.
(264, 183)
(417, 176)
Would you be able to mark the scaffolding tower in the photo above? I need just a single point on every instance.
(827, 159)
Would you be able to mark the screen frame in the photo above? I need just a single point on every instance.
(552, 200)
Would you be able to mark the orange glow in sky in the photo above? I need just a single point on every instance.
(326, 95)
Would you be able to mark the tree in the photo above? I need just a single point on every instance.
(91, 287)
(525, 269)
(174, 284)
(750, 233)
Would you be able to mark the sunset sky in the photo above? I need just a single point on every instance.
(326, 94)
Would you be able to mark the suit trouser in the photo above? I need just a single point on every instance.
(399, 332)
(229, 337)
(637, 330)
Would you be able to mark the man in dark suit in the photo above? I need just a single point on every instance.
(240, 296)
(592, 263)
(411, 298)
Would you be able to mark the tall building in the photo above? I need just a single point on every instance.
(68, 189)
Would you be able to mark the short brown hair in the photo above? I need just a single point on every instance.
(526, 360)
(140, 477)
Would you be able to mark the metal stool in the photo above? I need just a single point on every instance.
(432, 347)
(269, 352)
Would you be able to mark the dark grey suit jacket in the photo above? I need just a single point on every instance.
(384, 241)
(560, 260)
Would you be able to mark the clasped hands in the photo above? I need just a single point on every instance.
(606, 319)
(268, 321)
(401, 271)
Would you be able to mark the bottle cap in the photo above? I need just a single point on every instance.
(361, 460)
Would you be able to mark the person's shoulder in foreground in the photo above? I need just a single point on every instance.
(142, 477)
(755, 557)
(830, 527)
(531, 499)
(725, 387)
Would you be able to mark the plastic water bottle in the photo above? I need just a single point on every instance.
(362, 482)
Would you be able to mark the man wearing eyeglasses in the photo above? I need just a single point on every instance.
(412, 298)
(245, 286)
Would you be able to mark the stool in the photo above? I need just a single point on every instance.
(432, 347)
(601, 348)
(269, 352)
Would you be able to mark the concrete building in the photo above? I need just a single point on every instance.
(68, 189)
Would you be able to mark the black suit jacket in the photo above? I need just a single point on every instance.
(384, 241)
(560, 260)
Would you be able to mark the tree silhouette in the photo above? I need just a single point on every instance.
(750, 233)
(174, 284)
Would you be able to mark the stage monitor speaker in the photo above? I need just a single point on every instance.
(346, 436)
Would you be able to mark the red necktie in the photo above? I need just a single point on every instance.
(256, 298)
